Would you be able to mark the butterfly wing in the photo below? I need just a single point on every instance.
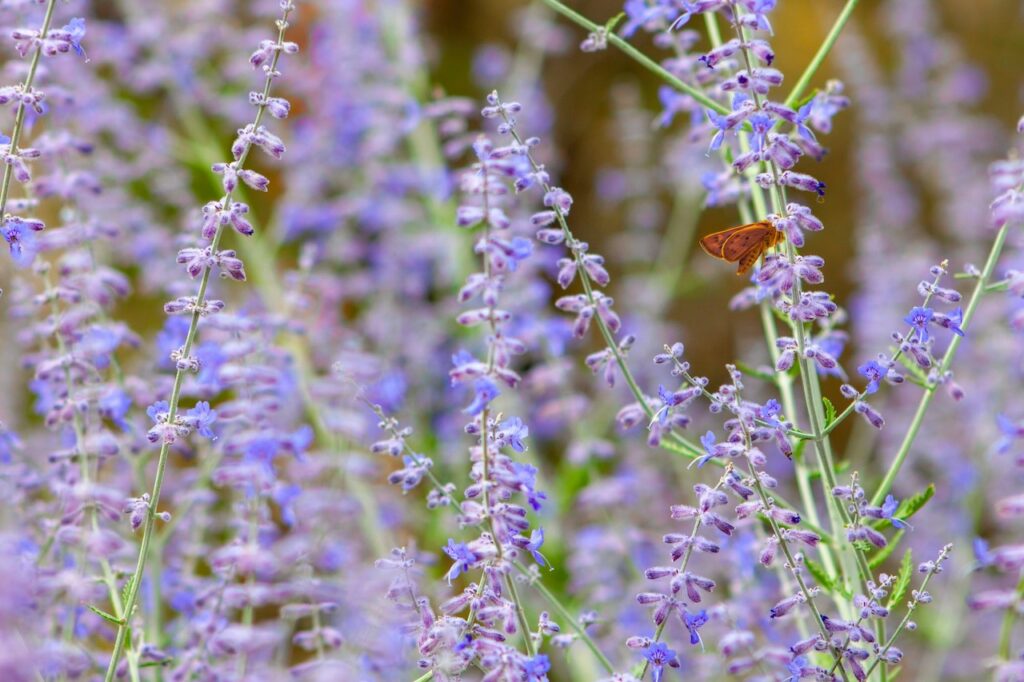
(747, 260)
(742, 244)
(713, 243)
(745, 238)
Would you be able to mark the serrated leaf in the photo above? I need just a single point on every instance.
(886, 551)
(902, 580)
(126, 590)
(909, 506)
(830, 411)
(914, 504)
(820, 576)
(106, 616)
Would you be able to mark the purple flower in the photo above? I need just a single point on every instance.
(874, 373)
(76, 32)
(951, 321)
(21, 240)
(114, 405)
(1011, 431)
(537, 668)
(525, 480)
(514, 431)
(693, 622)
(708, 441)
(158, 410)
(534, 545)
(889, 508)
(659, 656)
(758, 16)
(463, 557)
(982, 555)
(919, 318)
(484, 392)
(201, 418)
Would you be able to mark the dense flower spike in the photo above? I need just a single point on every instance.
(170, 425)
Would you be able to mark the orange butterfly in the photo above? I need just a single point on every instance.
(742, 244)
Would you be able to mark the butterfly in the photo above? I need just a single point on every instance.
(742, 244)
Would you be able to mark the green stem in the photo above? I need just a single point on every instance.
(947, 359)
(681, 444)
(567, 617)
(805, 78)
(811, 388)
(179, 378)
(906, 617)
(682, 569)
(639, 57)
(1006, 631)
(531, 651)
(19, 117)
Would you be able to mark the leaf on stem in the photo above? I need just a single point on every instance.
(903, 580)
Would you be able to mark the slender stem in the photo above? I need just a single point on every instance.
(783, 545)
(521, 617)
(524, 623)
(567, 617)
(906, 617)
(681, 444)
(848, 410)
(1006, 630)
(947, 359)
(135, 581)
(19, 116)
(638, 56)
(812, 68)
(809, 378)
(783, 380)
(682, 569)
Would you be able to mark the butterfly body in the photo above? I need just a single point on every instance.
(742, 244)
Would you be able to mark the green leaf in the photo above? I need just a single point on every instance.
(106, 616)
(909, 506)
(798, 451)
(614, 21)
(863, 546)
(126, 590)
(154, 664)
(830, 411)
(903, 580)
(912, 505)
(886, 551)
(807, 98)
(817, 571)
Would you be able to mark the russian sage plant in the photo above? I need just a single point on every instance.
(427, 405)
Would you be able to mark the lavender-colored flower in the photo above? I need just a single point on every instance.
(660, 656)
